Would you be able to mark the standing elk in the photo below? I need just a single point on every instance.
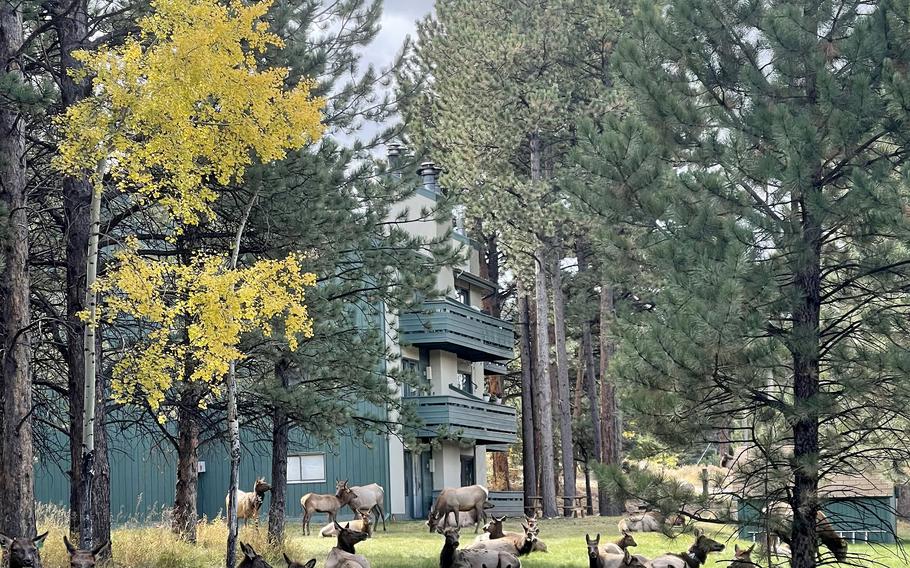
(452, 501)
(249, 503)
(370, 498)
(23, 552)
(328, 504)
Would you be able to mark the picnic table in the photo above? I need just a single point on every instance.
(577, 507)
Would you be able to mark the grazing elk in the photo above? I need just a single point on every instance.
(782, 520)
(83, 558)
(619, 547)
(328, 504)
(370, 498)
(23, 552)
(343, 554)
(597, 558)
(362, 524)
(451, 557)
(696, 556)
(452, 500)
(249, 503)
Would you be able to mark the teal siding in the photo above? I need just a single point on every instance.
(143, 476)
(871, 519)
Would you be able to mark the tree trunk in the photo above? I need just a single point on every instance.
(587, 347)
(903, 501)
(101, 484)
(542, 398)
(71, 24)
(186, 492)
(579, 385)
(804, 345)
(529, 465)
(562, 381)
(17, 503)
(90, 392)
(610, 424)
(280, 432)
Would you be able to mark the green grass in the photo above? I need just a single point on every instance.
(406, 545)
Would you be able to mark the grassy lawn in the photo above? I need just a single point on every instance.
(406, 545)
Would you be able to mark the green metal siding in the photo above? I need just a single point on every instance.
(143, 477)
(867, 518)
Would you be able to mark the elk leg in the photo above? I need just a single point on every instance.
(381, 515)
(306, 518)
(479, 517)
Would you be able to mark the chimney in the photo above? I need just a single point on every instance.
(429, 176)
(395, 150)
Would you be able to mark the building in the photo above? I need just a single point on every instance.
(448, 341)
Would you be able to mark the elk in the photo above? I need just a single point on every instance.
(695, 557)
(451, 557)
(597, 558)
(362, 524)
(83, 558)
(624, 542)
(452, 500)
(532, 524)
(251, 558)
(249, 503)
(649, 521)
(23, 552)
(291, 564)
(328, 504)
(515, 546)
(343, 554)
(824, 530)
(743, 557)
(370, 498)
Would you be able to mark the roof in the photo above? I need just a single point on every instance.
(750, 476)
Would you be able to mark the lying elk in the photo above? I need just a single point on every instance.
(343, 554)
(452, 501)
(649, 521)
(369, 498)
(328, 504)
(695, 557)
(311, 563)
(493, 531)
(362, 524)
(521, 546)
(620, 546)
(451, 557)
(249, 503)
(83, 558)
(23, 552)
(597, 558)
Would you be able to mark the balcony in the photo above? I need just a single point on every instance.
(466, 418)
(452, 326)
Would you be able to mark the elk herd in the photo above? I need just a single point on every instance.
(453, 509)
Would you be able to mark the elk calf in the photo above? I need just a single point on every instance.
(619, 547)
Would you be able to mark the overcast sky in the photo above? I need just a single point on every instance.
(398, 20)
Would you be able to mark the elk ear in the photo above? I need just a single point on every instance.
(5, 541)
(39, 540)
(337, 526)
(286, 559)
(69, 546)
(100, 547)
(310, 563)
(736, 550)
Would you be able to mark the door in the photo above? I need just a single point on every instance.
(408, 484)
(467, 471)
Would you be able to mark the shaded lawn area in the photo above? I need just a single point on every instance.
(408, 544)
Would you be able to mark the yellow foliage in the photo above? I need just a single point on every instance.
(199, 311)
(186, 103)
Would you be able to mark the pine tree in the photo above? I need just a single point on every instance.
(764, 177)
(508, 84)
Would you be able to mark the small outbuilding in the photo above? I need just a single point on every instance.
(861, 506)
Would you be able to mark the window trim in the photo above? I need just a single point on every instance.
(304, 481)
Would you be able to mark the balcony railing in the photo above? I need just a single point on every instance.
(453, 326)
(465, 418)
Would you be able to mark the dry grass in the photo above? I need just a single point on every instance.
(148, 543)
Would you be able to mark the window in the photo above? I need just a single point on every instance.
(309, 468)
(412, 366)
(466, 382)
(463, 295)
